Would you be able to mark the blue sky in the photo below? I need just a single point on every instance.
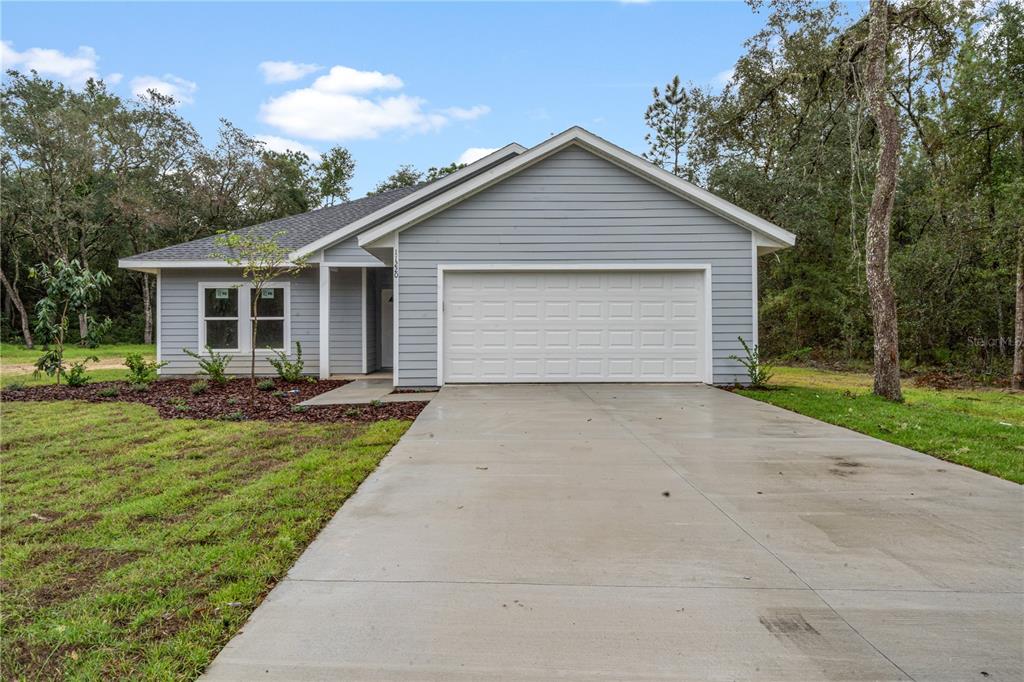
(418, 83)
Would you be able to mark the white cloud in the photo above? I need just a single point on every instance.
(722, 78)
(339, 106)
(73, 69)
(342, 80)
(113, 78)
(464, 114)
(475, 154)
(283, 144)
(282, 72)
(170, 85)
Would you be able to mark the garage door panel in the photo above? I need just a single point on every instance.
(573, 326)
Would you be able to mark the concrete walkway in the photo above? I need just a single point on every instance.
(363, 391)
(648, 532)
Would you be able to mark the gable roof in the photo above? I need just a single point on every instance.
(769, 235)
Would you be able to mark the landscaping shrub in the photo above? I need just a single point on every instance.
(139, 388)
(16, 385)
(232, 417)
(76, 375)
(266, 385)
(141, 370)
(300, 408)
(198, 387)
(760, 373)
(214, 367)
(287, 369)
(108, 392)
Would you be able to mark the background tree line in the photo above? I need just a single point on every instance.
(793, 137)
(88, 176)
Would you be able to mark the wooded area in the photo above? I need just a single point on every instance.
(794, 136)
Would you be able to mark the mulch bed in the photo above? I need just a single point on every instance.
(173, 399)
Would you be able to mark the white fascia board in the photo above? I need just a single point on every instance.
(606, 150)
(153, 265)
(437, 185)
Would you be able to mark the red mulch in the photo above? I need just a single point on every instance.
(173, 399)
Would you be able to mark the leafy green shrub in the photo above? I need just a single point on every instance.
(266, 385)
(232, 401)
(198, 387)
(141, 370)
(278, 394)
(760, 373)
(76, 375)
(352, 412)
(287, 369)
(139, 388)
(214, 367)
(232, 417)
(376, 403)
(299, 408)
(16, 385)
(108, 392)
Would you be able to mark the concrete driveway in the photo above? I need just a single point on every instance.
(628, 532)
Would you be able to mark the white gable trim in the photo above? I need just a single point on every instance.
(771, 233)
(390, 209)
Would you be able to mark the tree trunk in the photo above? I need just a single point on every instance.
(83, 328)
(12, 293)
(1017, 381)
(147, 310)
(252, 347)
(880, 290)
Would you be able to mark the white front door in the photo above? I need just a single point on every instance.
(564, 326)
(387, 320)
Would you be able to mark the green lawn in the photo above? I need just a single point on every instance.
(15, 361)
(134, 546)
(982, 429)
(15, 354)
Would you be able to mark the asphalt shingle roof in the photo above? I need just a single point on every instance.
(298, 230)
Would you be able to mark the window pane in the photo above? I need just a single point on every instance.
(271, 302)
(222, 334)
(270, 334)
(221, 302)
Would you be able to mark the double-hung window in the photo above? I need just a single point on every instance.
(220, 323)
(269, 317)
(227, 316)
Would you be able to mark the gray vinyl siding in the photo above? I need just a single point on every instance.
(179, 320)
(346, 313)
(572, 207)
(350, 253)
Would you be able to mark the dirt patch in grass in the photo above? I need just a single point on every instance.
(89, 566)
(173, 399)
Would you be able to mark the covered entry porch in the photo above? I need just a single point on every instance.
(356, 319)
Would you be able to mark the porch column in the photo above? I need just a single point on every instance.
(325, 321)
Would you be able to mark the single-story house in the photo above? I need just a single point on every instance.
(572, 261)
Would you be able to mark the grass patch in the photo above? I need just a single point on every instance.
(135, 547)
(982, 429)
(15, 354)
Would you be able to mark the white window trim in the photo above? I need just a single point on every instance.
(709, 371)
(244, 317)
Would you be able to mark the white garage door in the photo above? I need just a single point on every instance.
(555, 326)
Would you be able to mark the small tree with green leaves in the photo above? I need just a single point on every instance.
(71, 288)
(759, 372)
(262, 260)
